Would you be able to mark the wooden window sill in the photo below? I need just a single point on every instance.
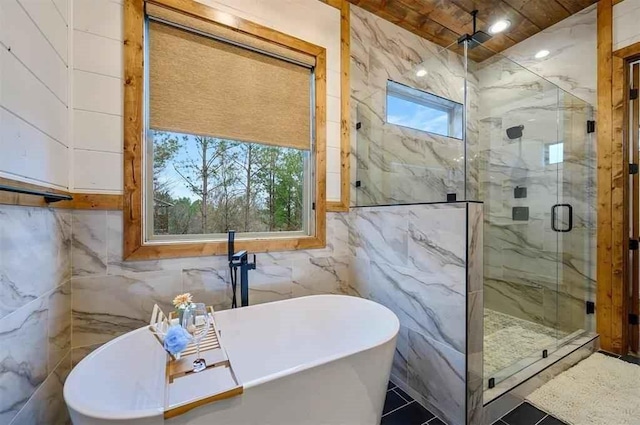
(159, 250)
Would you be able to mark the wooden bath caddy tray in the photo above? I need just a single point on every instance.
(186, 390)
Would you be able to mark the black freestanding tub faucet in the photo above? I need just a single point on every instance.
(239, 260)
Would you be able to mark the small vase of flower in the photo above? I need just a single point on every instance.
(181, 303)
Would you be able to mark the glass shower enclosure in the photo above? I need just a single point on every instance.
(468, 124)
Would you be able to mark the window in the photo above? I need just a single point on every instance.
(417, 109)
(229, 137)
(207, 186)
(232, 138)
(554, 153)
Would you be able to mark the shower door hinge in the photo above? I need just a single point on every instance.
(633, 94)
(633, 168)
(358, 125)
(591, 307)
(313, 206)
(633, 319)
(633, 244)
(591, 126)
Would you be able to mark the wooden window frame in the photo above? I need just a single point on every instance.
(135, 247)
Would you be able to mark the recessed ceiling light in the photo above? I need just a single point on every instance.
(542, 54)
(421, 73)
(499, 26)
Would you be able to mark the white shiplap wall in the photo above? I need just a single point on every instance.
(626, 27)
(97, 80)
(97, 96)
(34, 91)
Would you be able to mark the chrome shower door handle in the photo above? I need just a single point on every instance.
(554, 217)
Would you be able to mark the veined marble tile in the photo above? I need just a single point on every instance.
(399, 367)
(522, 301)
(438, 373)
(572, 61)
(338, 233)
(39, 237)
(475, 331)
(475, 247)
(270, 282)
(105, 307)
(59, 324)
(381, 234)
(47, 405)
(359, 280)
(564, 311)
(79, 353)
(401, 165)
(475, 359)
(24, 346)
(210, 286)
(89, 243)
(431, 304)
(437, 241)
(320, 276)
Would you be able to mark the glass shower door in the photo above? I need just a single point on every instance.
(519, 154)
(573, 218)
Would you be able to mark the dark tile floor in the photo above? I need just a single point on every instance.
(628, 358)
(527, 414)
(401, 409)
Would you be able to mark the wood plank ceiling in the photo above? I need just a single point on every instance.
(444, 21)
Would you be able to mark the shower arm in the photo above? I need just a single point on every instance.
(474, 13)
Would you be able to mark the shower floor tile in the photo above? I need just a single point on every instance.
(508, 339)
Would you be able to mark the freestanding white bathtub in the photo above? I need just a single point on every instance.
(318, 360)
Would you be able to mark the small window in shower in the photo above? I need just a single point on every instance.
(420, 110)
(554, 153)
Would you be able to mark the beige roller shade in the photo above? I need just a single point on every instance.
(227, 33)
(199, 85)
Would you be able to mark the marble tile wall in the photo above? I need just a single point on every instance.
(552, 97)
(35, 314)
(572, 60)
(112, 297)
(397, 164)
(531, 271)
(425, 264)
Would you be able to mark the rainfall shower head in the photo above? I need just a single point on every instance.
(478, 37)
(515, 132)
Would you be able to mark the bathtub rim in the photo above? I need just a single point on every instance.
(328, 359)
(159, 411)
